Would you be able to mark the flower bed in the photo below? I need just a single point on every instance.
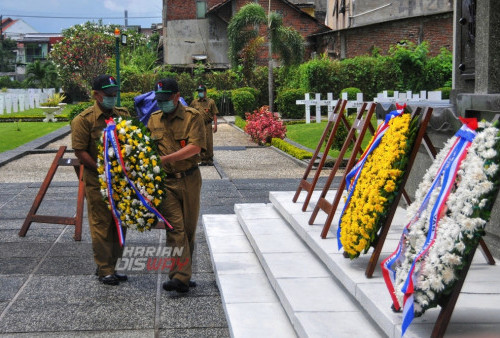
(447, 220)
(374, 184)
(131, 183)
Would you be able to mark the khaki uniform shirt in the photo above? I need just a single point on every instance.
(87, 127)
(171, 133)
(206, 107)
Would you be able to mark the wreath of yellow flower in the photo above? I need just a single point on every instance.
(377, 186)
(143, 166)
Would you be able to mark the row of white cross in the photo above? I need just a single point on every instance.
(424, 97)
(18, 100)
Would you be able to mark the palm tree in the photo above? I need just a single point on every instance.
(243, 31)
(42, 75)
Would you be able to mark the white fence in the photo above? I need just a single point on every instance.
(18, 100)
(432, 98)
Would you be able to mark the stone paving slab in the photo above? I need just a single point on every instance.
(477, 305)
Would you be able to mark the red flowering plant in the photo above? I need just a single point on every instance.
(263, 126)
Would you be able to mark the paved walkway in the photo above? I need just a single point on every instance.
(47, 279)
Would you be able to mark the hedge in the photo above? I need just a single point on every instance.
(243, 101)
(290, 149)
(287, 107)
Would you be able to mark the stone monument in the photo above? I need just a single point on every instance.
(476, 75)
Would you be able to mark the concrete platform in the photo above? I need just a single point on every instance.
(321, 292)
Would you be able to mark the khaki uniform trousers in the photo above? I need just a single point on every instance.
(181, 207)
(208, 155)
(105, 242)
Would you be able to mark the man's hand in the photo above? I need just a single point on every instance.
(181, 154)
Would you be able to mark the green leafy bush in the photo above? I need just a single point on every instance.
(129, 96)
(243, 102)
(78, 108)
(287, 107)
(445, 92)
(290, 149)
(187, 86)
(222, 100)
(351, 92)
(240, 123)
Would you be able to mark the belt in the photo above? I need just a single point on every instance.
(182, 174)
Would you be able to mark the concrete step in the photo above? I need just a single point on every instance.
(250, 303)
(477, 312)
(315, 302)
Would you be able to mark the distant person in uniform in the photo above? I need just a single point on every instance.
(86, 129)
(179, 133)
(209, 111)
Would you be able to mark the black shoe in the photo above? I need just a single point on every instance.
(121, 277)
(192, 284)
(176, 285)
(109, 280)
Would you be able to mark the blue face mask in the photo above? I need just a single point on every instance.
(201, 95)
(166, 106)
(108, 102)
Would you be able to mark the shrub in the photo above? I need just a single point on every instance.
(264, 125)
(290, 149)
(260, 82)
(445, 92)
(222, 100)
(129, 96)
(351, 92)
(223, 80)
(287, 107)
(78, 108)
(243, 102)
(187, 86)
(240, 123)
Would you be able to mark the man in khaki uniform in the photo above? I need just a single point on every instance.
(209, 111)
(179, 133)
(86, 129)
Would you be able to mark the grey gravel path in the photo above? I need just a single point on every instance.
(48, 287)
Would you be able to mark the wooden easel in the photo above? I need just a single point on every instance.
(331, 127)
(77, 220)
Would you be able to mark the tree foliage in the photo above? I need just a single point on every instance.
(42, 75)
(244, 39)
(7, 55)
(82, 55)
(243, 28)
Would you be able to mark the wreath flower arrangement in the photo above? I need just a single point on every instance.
(419, 278)
(134, 175)
(376, 186)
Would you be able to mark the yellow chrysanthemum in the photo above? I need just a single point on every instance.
(378, 178)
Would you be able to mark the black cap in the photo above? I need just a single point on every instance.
(165, 88)
(105, 83)
(201, 88)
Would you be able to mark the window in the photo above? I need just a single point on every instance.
(201, 9)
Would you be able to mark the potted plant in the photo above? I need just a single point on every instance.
(52, 106)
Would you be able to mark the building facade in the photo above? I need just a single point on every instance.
(196, 31)
(363, 25)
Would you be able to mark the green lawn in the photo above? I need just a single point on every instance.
(36, 112)
(309, 135)
(14, 134)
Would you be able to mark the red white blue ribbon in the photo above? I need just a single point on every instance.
(353, 175)
(110, 137)
(445, 179)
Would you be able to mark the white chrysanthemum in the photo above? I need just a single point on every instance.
(437, 269)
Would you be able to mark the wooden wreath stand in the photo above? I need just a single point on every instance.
(361, 124)
(77, 220)
(331, 127)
